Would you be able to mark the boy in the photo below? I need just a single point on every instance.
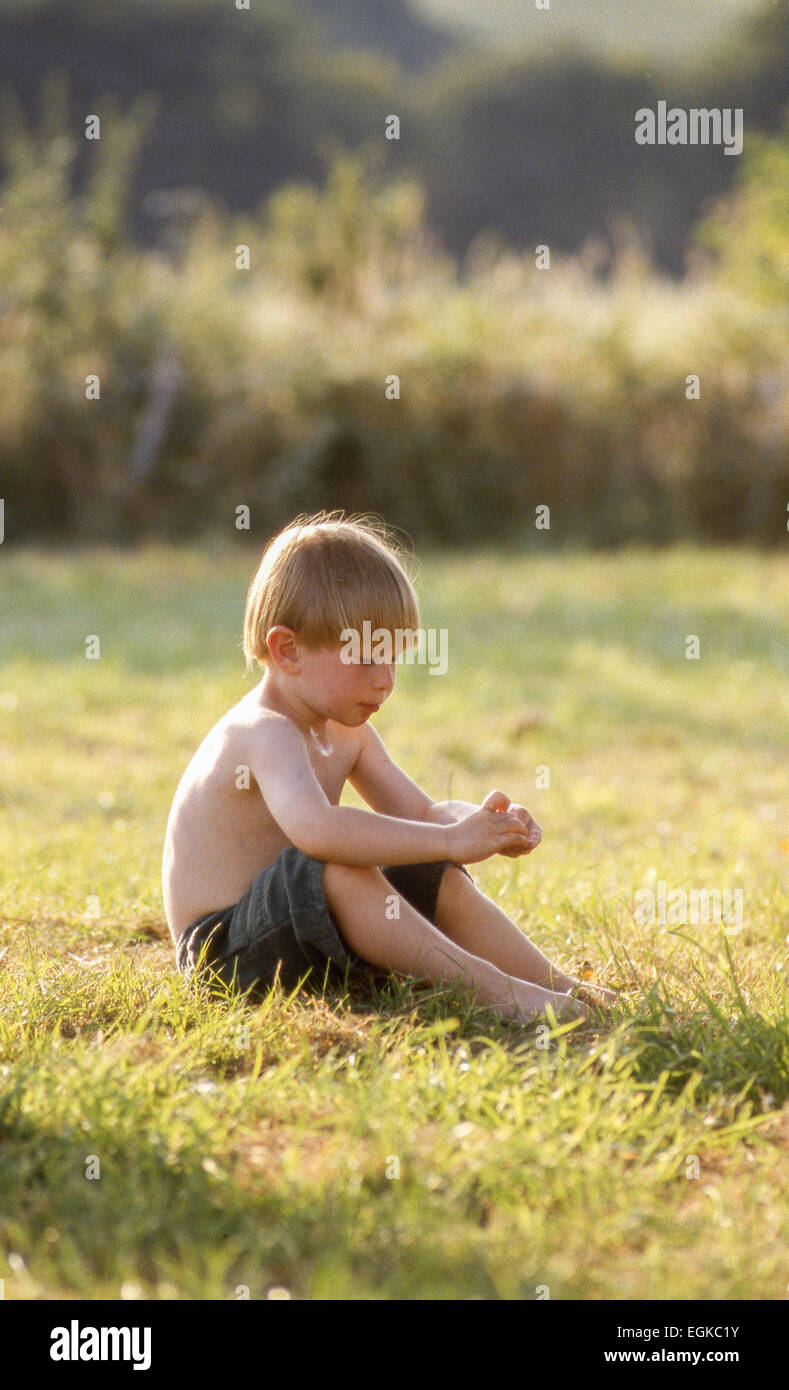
(265, 874)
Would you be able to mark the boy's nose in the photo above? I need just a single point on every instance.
(385, 678)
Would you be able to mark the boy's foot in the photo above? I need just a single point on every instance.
(595, 995)
(523, 1003)
(568, 984)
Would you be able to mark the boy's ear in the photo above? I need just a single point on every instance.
(283, 647)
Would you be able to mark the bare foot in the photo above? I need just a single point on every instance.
(601, 999)
(569, 984)
(523, 1002)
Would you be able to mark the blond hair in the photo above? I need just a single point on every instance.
(324, 574)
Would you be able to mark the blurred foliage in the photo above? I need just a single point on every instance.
(351, 242)
(534, 149)
(519, 387)
(752, 69)
(750, 232)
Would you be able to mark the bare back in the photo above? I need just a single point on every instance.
(220, 833)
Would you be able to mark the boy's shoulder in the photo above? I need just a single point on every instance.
(251, 720)
(268, 728)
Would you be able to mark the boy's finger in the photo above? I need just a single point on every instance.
(513, 847)
(496, 801)
(532, 828)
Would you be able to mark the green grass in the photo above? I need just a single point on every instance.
(259, 1158)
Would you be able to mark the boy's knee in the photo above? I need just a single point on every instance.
(459, 872)
(453, 880)
(334, 874)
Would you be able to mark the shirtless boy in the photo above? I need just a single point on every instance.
(265, 875)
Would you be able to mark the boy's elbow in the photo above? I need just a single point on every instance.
(316, 837)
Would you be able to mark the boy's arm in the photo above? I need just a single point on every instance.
(447, 812)
(390, 791)
(384, 785)
(339, 834)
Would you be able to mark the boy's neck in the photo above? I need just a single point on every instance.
(307, 720)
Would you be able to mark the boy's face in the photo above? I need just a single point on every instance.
(348, 692)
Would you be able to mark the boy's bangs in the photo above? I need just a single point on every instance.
(381, 617)
(385, 600)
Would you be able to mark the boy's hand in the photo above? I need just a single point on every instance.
(490, 831)
(497, 801)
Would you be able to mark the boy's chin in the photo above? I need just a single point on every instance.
(352, 715)
(347, 719)
(356, 716)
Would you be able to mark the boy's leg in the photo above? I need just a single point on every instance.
(471, 920)
(410, 945)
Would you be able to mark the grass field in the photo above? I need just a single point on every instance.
(243, 1148)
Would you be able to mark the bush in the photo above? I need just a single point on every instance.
(267, 386)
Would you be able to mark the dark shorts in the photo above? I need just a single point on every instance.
(283, 926)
